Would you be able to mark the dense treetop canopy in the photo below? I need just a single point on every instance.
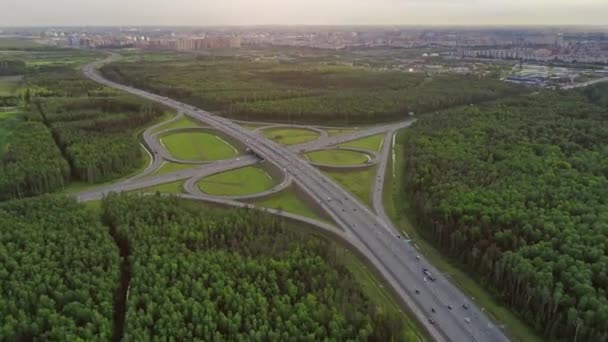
(235, 276)
(58, 272)
(306, 90)
(150, 267)
(518, 191)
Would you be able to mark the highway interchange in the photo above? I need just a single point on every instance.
(444, 311)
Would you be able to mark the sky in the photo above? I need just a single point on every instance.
(296, 12)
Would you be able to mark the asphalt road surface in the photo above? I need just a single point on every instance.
(427, 295)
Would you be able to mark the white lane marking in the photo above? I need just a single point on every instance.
(394, 139)
(163, 144)
(149, 154)
(227, 143)
(381, 145)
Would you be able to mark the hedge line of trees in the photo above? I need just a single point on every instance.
(32, 164)
(517, 191)
(305, 91)
(58, 272)
(240, 275)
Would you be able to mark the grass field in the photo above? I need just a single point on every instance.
(50, 56)
(339, 131)
(9, 115)
(243, 181)
(168, 188)
(515, 328)
(183, 122)
(290, 136)
(168, 167)
(250, 126)
(337, 157)
(373, 143)
(288, 201)
(9, 85)
(94, 206)
(357, 182)
(198, 146)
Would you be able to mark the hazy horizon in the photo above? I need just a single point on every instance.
(302, 12)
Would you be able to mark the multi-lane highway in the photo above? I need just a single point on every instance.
(441, 308)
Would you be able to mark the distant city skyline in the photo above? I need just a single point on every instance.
(303, 12)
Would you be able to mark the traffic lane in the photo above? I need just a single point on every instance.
(427, 295)
(362, 223)
(147, 182)
(393, 271)
(339, 139)
(472, 314)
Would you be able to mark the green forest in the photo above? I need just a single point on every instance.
(201, 274)
(98, 135)
(58, 272)
(304, 91)
(61, 127)
(517, 191)
(32, 164)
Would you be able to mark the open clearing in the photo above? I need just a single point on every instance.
(243, 181)
(339, 131)
(291, 136)
(337, 157)
(168, 167)
(373, 143)
(359, 183)
(288, 201)
(200, 146)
